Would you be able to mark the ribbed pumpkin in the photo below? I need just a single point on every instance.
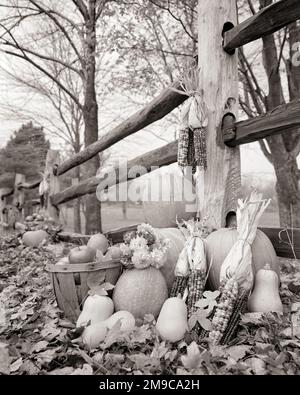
(167, 195)
(177, 241)
(219, 243)
(140, 291)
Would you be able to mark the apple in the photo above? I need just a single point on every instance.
(29, 218)
(98, 242)
(82, 254)
(63, 261)
(115, 252)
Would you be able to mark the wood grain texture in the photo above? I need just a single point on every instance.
(27, 185)
(159, 107)
(52, 159)
(219, 185)
(159, 157)
(283, 119)
(269, 20)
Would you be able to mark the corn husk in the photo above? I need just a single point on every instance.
(238, 263)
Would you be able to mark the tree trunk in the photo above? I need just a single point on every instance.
(90, 114)
(282, 156)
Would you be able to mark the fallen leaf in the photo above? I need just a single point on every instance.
(95, 279)
(68, 370)
(192, 359)
(40, 346)
(15, 366)
(86, 370)
(237, 352)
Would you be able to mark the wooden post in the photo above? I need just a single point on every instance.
(19, 198)
(219, 185)
(52, 162)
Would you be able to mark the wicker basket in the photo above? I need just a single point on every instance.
(71, 283)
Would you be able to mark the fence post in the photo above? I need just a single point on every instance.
(219, 185)
(19, 196)
(52, 162)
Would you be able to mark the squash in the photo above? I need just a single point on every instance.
(34, 238)
(172, 322)
(177, 241)
(140, 291)
(96, 308)
(98, 242)
(126, 318)
(219, 243)
(94, 334)
(167, 195)
(265, 296)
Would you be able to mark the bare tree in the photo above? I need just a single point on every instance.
(281, 150)
(74, 25)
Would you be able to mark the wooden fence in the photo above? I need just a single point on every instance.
(219, 81)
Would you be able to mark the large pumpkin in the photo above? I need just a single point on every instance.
(140, 291)
(219, 243)
(177, 241)
(167, 195)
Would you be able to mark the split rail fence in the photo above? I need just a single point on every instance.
(215, 59)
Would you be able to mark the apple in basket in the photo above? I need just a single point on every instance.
(82, 254)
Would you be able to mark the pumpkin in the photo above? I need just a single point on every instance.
(34, 238)
(177, 241)
(96, 309)
(265, 296)
(172, 322)
(167, 195)
(140, 291)
(219, 243)
(98, 242)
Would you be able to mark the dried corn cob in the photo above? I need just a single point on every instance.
(196, 284)
(178, 287)
(224, 310)
(181, 274)
(240, 307)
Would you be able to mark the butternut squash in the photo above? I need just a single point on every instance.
(265, 296)
(127, 320)
(94, 334)
(172, 322)
(96, 309)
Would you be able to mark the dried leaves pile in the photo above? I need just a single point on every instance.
(35, 339)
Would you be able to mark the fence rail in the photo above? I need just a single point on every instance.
(269, 20)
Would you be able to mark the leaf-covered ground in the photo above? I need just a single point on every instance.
(35, 339)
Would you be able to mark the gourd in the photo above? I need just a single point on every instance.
(172, 321)
(34, 238)
(219, 243)
(96, 308)
(265, 296)
(167, 195)
(140, 291)
(98, 242)
(177, 241)
(126, 318)
(94, 334)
